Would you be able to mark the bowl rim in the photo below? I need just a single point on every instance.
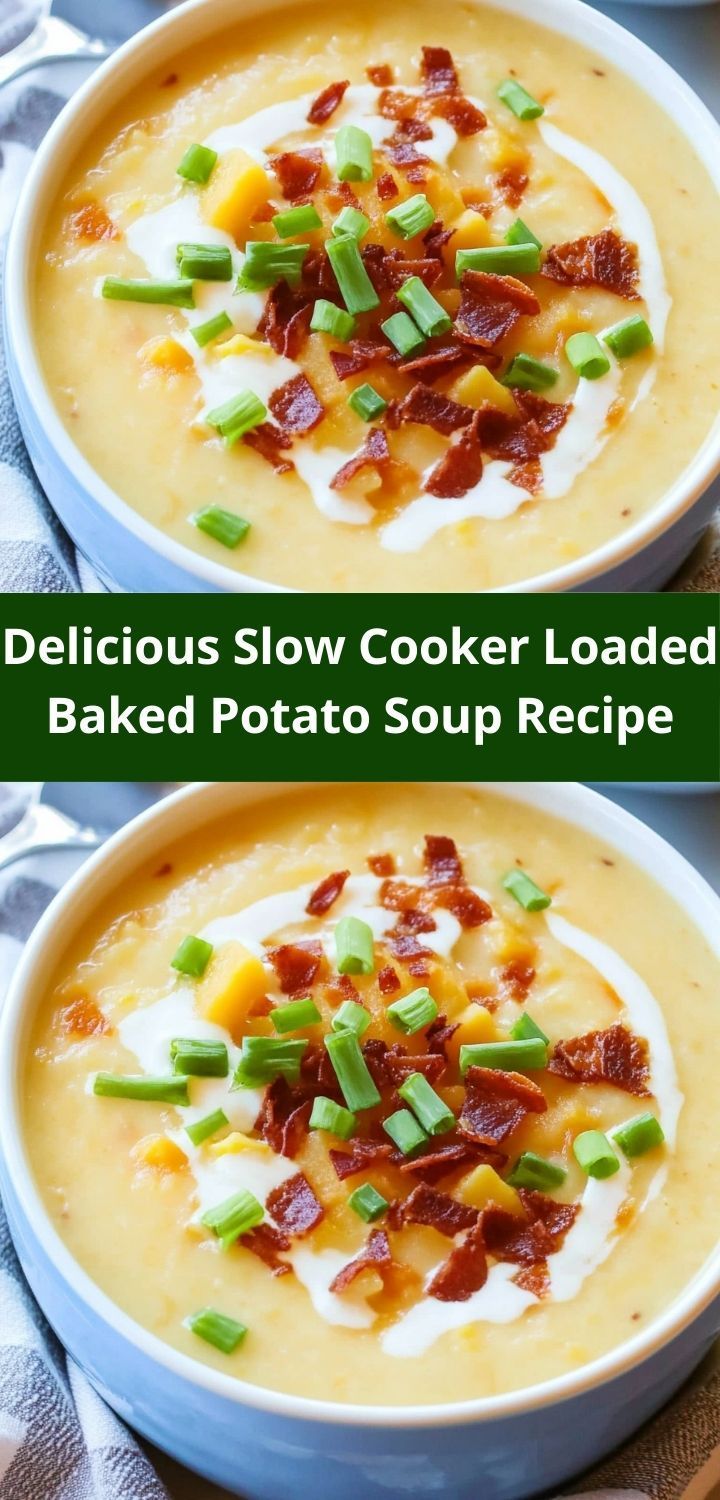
(174, 817)
(171, 31)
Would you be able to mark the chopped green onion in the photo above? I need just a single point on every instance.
(427, 312)
(204, 333)
(637, 1136)
(168, 293)
(595, 1154)
(356, 288)
(237, 416)
(351, 1017)
(502, 260)
(222, 525)
(209, 1125)
(351, 1070)
(354, 946)
(519, 234)
(201, 1059)
(353, 154)
(587, 356)
(434, 1114)
(327, 1115)
(525, 1028)
(519, 100)
(266, 263)
(263, 1058)
(204, 262)
(298, 220)
(628, 337)
(536, 1172)
(526, 891)
(529, 374)
(327, 318)
(513, 1056)
(367, 1203)
(197, 164)
(403, 1129)
(234, 1216)
(217, 1329)
(367, 402)
(171, 1090)
(403, 334)
(295, 1015)
(192, 957)
(413, 1012)
(351, 221)
(411, 217)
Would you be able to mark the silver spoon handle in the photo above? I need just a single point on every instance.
(51, 41)
(42, 828)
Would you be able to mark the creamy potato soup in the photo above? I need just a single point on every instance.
(398, 300)
(387, 1095)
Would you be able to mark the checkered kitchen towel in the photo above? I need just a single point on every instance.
(36, 555)
(58, 1441)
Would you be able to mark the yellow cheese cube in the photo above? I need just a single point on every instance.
(236, 189)
(483, 1186)
(233, 982)
(475, 1024)
(234, 1143)
(160, 1152)
(470, 230)
(165, 353)
(479, 385)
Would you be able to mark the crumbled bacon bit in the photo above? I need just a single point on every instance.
(400, 1064)
(269, 441)
(327, 102)
(393, 104)
(388, 980)
(465, 904)
(496, 1103)
(448, 1157)
(437, 71)
(510, 185)
(284, 323)
(464, 1271)
(381, 74)
(283, 1118)
(266, 1242)
(535, 1279)
(602, 259)
(436, 237)
(434, 364)
(428, 270)
(91, 222)
(83, 1017)
(298, 171)
(405, 947)
(359, 1156)
(317, 1073)
(441, 859)
(356, 358)
(439, 1033)
(295, 405)
(340, 987)
(398, 895)
(533, 433)
(263, 213)
(381, 864)
(433, 410)
(460, 468)
(425, 1205)
(490, 306)
(613, 1056)
(516, 978)
(386, 187)
(461, 113)
(528, 1241)
(318, 278)
(374, 453)
(326, 893)
(404, 154)
(294, 1207)
(528, 476)
(297, 965)
(375, 1256)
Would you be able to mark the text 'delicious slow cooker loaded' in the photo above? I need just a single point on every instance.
(380, 1086)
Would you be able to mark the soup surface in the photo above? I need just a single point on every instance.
(391, 385)
(377, 1111)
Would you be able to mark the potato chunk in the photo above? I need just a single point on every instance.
(160, 1152)
(475, 1024)
(234, 980)
(479, 385)
(237, 188)
(483, 1185)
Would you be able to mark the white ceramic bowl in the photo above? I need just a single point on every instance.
(265, 1445)
(129, 553)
